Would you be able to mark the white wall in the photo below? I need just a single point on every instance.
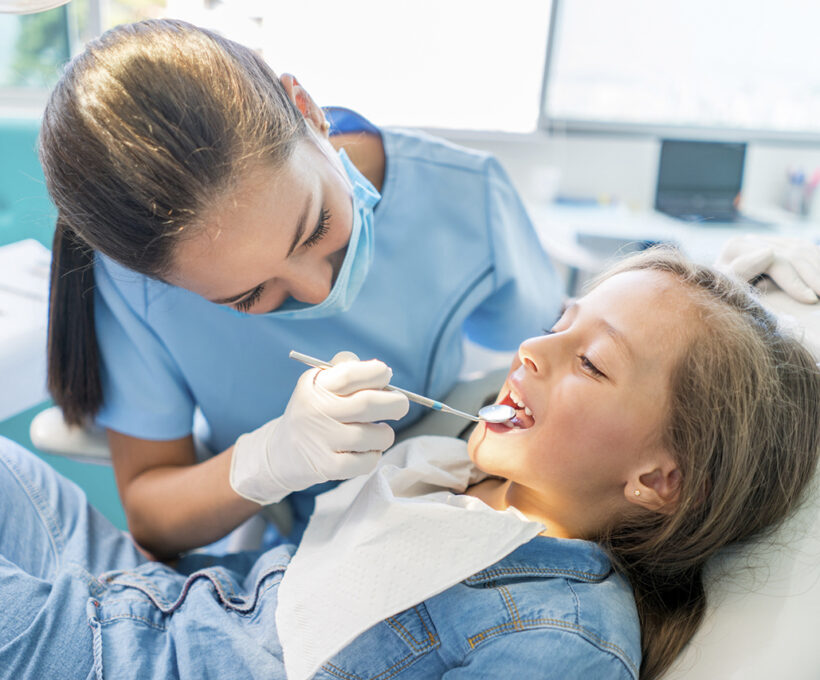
(626, 167)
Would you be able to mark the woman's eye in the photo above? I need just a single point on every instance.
(250, 301)
(321, 229)
(590, 367)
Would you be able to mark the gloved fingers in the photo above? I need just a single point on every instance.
(349, 465)
(789, 279)
(808, 267)
(341, 357)
(351, 376)
(736, 246)
(362, 438)
(366, 406)
(747, 265)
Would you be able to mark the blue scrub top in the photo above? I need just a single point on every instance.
(455, 254)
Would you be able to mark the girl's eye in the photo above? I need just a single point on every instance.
(251, 300)
(590, 367)
(547, 331)
(321, 229)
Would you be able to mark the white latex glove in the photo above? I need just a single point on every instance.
(326, 432)
(792, 263)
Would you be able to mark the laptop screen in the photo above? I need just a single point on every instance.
(699, 178)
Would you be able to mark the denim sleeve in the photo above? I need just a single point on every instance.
(545, 654)
(527, 289)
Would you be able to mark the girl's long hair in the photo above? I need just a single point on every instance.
(148, 126)
(744, 425)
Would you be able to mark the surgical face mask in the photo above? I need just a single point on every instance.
(357, 259)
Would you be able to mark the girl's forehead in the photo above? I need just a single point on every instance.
(628, 293)
(653, 311)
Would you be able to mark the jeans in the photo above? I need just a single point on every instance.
(80, 601)
(52, 543)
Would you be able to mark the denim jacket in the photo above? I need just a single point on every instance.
(551, 609)
(80, 602)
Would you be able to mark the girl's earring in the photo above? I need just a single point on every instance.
(637, 492)
(325, 126)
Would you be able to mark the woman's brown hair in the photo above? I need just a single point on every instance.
(146, 127)
(744, 426)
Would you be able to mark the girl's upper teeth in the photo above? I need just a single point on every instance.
(520, 403)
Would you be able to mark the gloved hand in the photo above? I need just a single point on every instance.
(792, 263)
(326, 432)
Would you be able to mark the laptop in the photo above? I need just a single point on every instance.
(700, 181)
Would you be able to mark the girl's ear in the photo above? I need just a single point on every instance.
(655, 486)
(304, 102)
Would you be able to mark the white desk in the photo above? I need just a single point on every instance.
(24, 279)
(610, 228)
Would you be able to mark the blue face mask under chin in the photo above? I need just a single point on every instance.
(357, 259)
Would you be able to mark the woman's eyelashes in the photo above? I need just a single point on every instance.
(251, 300)
(317, 235)
(321, 229)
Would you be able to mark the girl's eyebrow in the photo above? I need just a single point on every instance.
(574, 306)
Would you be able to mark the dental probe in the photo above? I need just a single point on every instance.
(494, 413)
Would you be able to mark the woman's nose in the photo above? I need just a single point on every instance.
(309, 287)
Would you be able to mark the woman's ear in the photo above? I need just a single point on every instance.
(304, 102)
(657, 486)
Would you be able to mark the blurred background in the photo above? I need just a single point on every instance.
(620, 123)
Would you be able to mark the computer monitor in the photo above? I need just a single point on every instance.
(734, 70)
(700, 181)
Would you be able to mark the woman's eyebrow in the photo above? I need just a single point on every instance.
(297, 236)
(234, 298)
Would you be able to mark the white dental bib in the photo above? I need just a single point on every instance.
(379, 544)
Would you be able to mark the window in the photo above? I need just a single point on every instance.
(454, 64)
(427, 63)
(32, 49)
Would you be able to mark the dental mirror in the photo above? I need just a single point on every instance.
(494, 413)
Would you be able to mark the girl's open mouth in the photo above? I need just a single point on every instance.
(522, 420)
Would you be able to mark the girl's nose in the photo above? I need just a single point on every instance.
(531, 355)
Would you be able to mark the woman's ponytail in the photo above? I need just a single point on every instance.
(73, 357)
(145, 127)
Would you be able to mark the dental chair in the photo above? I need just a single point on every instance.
(761, 613)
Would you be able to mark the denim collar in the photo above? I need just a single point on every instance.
(544, 556)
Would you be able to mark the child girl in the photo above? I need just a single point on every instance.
(664, 416)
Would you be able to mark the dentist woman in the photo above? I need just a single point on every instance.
(211, 217)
